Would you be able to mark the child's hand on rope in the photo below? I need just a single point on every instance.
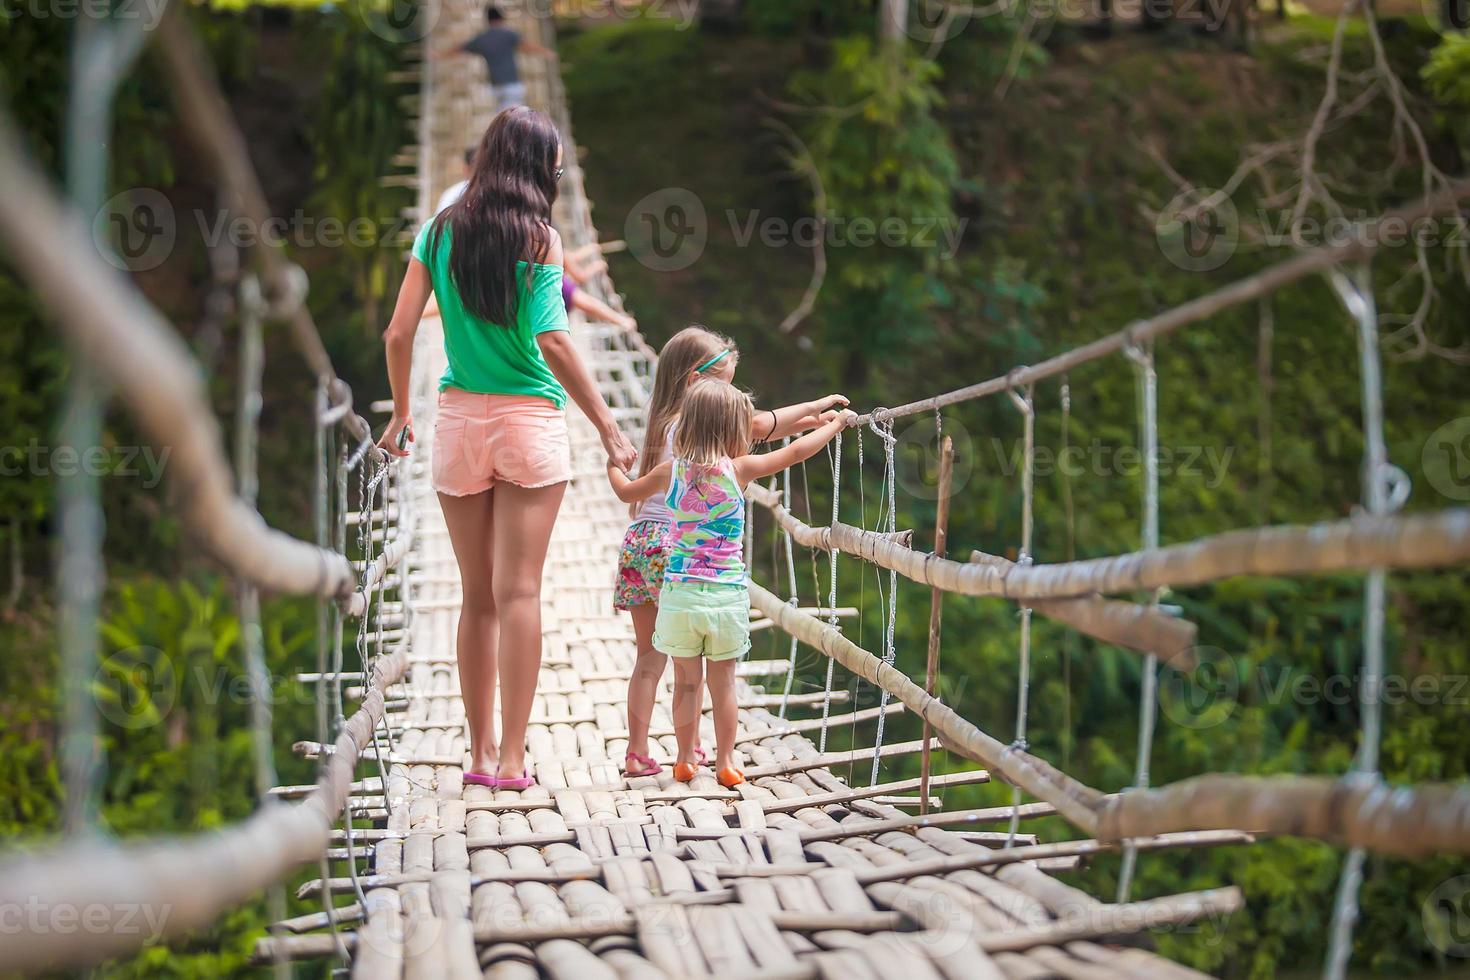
(822, 406)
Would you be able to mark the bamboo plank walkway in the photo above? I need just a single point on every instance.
(591, 875)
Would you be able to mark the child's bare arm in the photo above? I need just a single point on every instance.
(754, 467)
(632, 491)
(778, 423)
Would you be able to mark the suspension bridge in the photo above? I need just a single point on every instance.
(796, 873)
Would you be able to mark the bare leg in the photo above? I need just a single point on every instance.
(720, 675)
(648, 670)
(469, 520)
(688, 680)
(523, 521)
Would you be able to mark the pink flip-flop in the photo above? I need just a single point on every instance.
(480, 779)
(524, 781)
(646, 765)
(699, 757)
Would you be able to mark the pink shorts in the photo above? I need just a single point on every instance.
(480, 440)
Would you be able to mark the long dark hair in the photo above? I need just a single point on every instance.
(503, 215)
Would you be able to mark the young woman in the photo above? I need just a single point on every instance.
(501, 457)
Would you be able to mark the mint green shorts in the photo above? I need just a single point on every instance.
(702, 619)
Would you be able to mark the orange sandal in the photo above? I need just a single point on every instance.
(730, 777)
(684, 771)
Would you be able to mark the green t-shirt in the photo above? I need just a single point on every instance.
(487, 358)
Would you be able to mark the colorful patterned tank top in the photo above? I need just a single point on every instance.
(707, 531)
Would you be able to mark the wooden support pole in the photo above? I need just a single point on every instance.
(936, 606)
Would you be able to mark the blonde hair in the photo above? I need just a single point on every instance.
(684, 353)
(714, 424)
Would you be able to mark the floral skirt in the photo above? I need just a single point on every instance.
(641, 565)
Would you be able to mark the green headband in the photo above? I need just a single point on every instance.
(712, 361)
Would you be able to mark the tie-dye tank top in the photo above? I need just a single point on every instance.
(707, 530)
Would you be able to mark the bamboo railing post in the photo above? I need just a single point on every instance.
(936, 606)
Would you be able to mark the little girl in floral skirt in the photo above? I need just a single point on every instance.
(690, 355)
(704, 604)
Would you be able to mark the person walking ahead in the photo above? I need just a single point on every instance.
(498, 45)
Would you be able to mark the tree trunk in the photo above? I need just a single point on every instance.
(893, 16)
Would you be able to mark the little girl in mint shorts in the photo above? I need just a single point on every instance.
(704, 607)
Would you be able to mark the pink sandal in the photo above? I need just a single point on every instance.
(524, 781)
(479, 779)
(646, 765)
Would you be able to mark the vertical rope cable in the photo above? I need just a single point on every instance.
(321, 480)
(885, 434)
(247, 435)
(1143, 359)
(794, 600)
(1385, 488)
(101, 52)
(252, 640)
(368, 492)
(832, 588)
(393, 496)
(1023, 681)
